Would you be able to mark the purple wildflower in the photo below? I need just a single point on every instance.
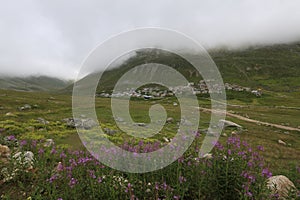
(156, 186)
(249, 194)
(72, 182)
(33, 143)
(265, 172)
(176, 197)
(260, 148)
(11, 138)
(250, 164)
(182, 179)
(128, 188)
(92, 174)
(59, 167)
(41, 151)
(100, 180)
(23, 142)
(53, 151)
(52, 178)
(62, 155)
(229, 152)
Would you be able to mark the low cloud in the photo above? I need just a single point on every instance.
(54, 37)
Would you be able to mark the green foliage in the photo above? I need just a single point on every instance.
(235, 171)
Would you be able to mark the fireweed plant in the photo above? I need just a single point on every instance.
(234, 170)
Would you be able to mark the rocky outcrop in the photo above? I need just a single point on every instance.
(280, 185)
(25, 159)
(281, 142)
(25, 107)
(4, 153)
(226, 123)
(49, 143)
(42, 121)
(80, 123)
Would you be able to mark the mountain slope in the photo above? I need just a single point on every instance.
(32, 83)
(274, 67)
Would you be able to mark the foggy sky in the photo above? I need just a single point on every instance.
(53, 37)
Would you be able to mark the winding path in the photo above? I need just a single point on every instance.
(288, 128)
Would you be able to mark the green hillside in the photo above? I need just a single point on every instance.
(32, 83)
(273, 68)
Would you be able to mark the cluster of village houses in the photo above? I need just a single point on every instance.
(202, 87)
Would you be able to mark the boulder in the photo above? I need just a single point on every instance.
(119, 119)
(24, 159)
(281, 142)
(280, 185)
(109, 131)
(42, 121)
(226, 123)
(80, 123)
(207, 156)
(140, 124)
(224, 135)
(170, 120)
(4, 153)
(49, 143)
(185, 122)
(25, 107)
(88, 123)
(20, 159)
(10, 114)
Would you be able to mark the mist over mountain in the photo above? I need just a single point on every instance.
(54, 37)
(272, 67)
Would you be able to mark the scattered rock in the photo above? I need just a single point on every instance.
(51, 98)
(119, 119)
(224, 134)
(208, 156)
(186, 122)
(42, 121)
(80, 123)
(175, 104)
(21, 159)
(9, 114)
(70, 122)
(226, 123)
(25, 107)
(170, 120)
(88, 123)
(141, 124)
(233, 133)
(166, 139)
(49, 143)
(24, 159)
(281, 142)
(280, 185)
(4, 153)
(109, 131)
(35, 106)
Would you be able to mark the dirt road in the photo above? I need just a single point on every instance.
(288, 128)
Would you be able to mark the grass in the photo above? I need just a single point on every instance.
(53, 107)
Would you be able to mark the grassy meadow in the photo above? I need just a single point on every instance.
(66, 171)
